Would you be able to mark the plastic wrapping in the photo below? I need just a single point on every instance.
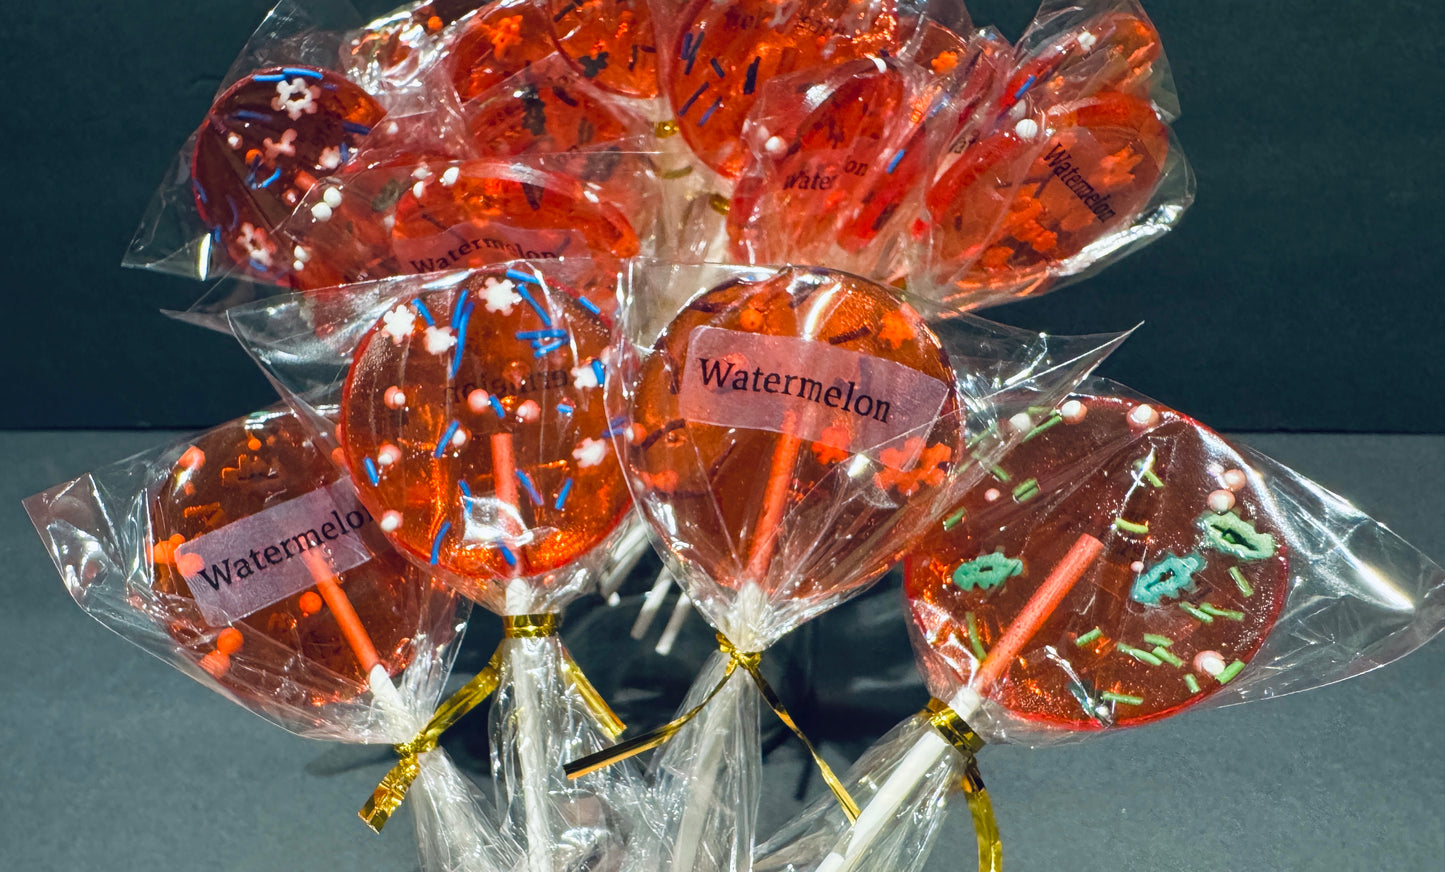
(242, 558)
(1220, 577)
(471, 405)
(773, 510)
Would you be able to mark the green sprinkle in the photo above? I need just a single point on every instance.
(1027, 491)
(1039, 410)
(1141, 656)
(1191, 682)
(1088, 637)
(1053, 419)
(953, 520)
(1151, 639)
(1131, 527)
(992, 429)
(1240, 581)
(1196, 613)
(1145, 468)
(1163, 654)
(1221, 613)
(1122, 698)
(1230, 671)
(973, 637)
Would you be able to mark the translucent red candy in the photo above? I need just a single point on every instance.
(1113, 52)
(610, 42)
(473, 421)
(725, 52)
(1191, 578)
(292, 652)
(740, 500)
(498, 42)
(265, 143)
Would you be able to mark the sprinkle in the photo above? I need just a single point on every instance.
(687, 104)
(1240, 581)
(562, 495)
(302, 72)
(1052, 420)
(1220, 501)
(1145, 468)
(1121, 698)
(994, 469)
(1209, 662)
(353, 127)
(461, 339)
(1151, 639)
(1073, 411)
(248, 115)
(897, 158)
(750, 83)
(1142, 417)
(953, 520)
(973, 637)
(1027, 491)
(551, 333)
(271, 77)
(564, 408)
(1235, 479)
(1141, 656)
(1028, 83)
(424, 312)
(974, 440)
(446, 438)
(1131, 527)
(717, 68)
(589, 305)
(436, 544)
(526, 481)
(1088, 637)
(1221, 613)
(992, 494)
(544, 350)
(1196, 613)
(1021, 422)
(1163, 654)
(1230, 671)
(507, 555)
(390, 521)
(466, 491)
(273, 177)
(710, 110)
(497, 406)
(371, 472)
(517, 275)
(598, 370)
(536, 307)
(1191, 682)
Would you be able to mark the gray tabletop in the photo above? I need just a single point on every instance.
(114, 762)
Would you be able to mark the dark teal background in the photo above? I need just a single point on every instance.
(1301, 293)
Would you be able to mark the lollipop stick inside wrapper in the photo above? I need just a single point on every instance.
(472, 416)
(243, 558)
(785, 436)
(1143, 566)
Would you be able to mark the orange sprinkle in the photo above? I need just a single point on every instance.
(751, 319)
(896, 330)
(310, 602)
(253, 443)
(188, 564)
(434, 23)
(945, 62)
(229, 641)
(216, 663)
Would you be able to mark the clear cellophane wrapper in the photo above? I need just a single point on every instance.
(832, 541)
(1355, 597)
(544, 711)
(285, 652)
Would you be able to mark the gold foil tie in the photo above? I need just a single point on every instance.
(750, 662)
(961, 736)
(392, 790)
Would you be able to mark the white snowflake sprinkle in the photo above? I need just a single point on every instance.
(258, 247)
(590, 452)
(286, 146)
(295, 98)
(399, 324)
(439, 340)
(584, 376)
(500, 296)
(329, 159)
(233, 140)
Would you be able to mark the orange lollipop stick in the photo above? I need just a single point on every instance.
(775, 499)
(346, 617)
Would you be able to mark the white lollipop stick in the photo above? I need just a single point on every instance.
(531, 737)
(652, 603)
(674, 625)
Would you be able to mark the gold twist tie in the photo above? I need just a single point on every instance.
(962, 737)
(750, 662)
(390, 793)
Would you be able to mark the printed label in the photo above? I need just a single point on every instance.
(812, 390)
(470, 244)
(253, 563)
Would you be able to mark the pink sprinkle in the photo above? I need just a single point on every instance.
(1137, 566)
(388, 454)
(390, 521)
(529, 411)
(1221, 501)
(992, 494)
(1211, 663)
(478, 401)
(394, 397)
(1235, 479)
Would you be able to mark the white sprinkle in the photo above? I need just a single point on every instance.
(1143, 417)
(992, 494)
(460, 437)
(776, 146)
(297, 266)
(233, 140)
(1073, 411)
(1209, 662)
(1087, 40)
(1235, 479)
(450, 177)
(1021, 423)
(388, 454)
(591, 197)
(1027, 129)
(301, 254)
(1221, 501)
(393, 128)
(390, 521)
(1137, 566)
(398, 324)
(388, 222)
(321, 212)
(439, 340)
(590, 452)
(417, 189)
(331, 197)
(421, 173)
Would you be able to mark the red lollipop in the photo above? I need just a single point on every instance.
(1115, 52)
(1123, 566)
(610, 41)
(264, 144)
(473, 420)
(498, 42)
(726, 51)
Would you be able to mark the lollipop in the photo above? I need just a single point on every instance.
(265, 143)
(498, 42)
(611, 42)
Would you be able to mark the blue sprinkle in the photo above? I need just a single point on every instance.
(710, 110)
(598, 370)
(424, 312)
(257, 265)
(750, 84)
(893, 164)
(446, 437)
(330, 86)
(371, 472)
(466, 491)
(686, 44)
(519, 276)
(564, 408)
(497, 406)
(507, 555)
(460, 347)
(216, 235)
(457, 310)
(436, 544)
(298, 71)
(1028, 83)
(687, 104)
(526, 481)
(717, 68)
(345, 152)
(248, 115)
(544, 350)
(562, 495)
(691, 52)
(587, 304)
(200, 192)
(542, 334)
(532, 301)
(353, 127)
(274, 176)
(271, 77)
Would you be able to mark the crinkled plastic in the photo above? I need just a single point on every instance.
(787, 434)
(1221, 577)
(242, 558)
(471, 405)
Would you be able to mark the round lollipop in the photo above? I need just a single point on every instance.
(499, 41)
(610, 41)
(1114, 51)
(264, 144)
(269, 616)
